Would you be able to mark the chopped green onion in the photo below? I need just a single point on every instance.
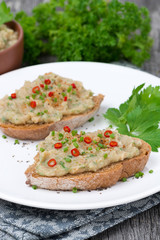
(46, 87)
(34, 187)
(28, 97)
(100, 145)
(41, 97)
(67, 159)
(83, 153)
(4, 136)
(44, 95)
(95, 141)
(91, 119)
(45, 111)
(53, 133)
(55, 99)
(74, 190)
(76, 145)
(97, 148)
(105, 155)
(150, 171)
(42, 149)
(89, 148)
(62, 164)
(63, 94)
(112, 136)
(74, 92)
(69, 89)
(16, 141)
(59, 85)
(66, 139)
(83, 132)
(61, 136)
(124, 179)
(34, 95)
(81, 139)
(10, 98)
(99, 135)
(74, 139)
(74, 132)
(65, 149)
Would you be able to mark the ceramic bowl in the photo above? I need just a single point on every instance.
(11, 58)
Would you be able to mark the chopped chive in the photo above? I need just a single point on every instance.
(65, 149)
(74, 190)
(100, 145)
(53, 133)
(55, 99)
(46, 87)
(74, 132)
(110, 126)
(83, 132)
(105, 155)
(28, 97)
(63, 142)
(61, 136)
(16, 141)
(97, 148)
(41, 97)
(45, 111)
(112, 136)
(95, 141)
(69, 89)
(89, 148)
(99, 135)
(38, 114)
(139, 174)
(10, 98)
(81, 139)
(74, 139)
(124, 179)
(136, 175)
(44, 95)
(33, 95)
(62, 164)
(63, 94)
(150, 171)
(66, 139)
(42, 149)
(34, 187)
(67, 159)
(91, 119)
(4, 136)
(76, 145)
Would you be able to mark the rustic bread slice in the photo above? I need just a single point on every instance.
(40, 131)
(103, 178)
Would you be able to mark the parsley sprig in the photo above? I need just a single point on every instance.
(139, 116)
(5, 13)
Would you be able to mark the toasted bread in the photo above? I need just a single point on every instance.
(40, 131)
(105, 177)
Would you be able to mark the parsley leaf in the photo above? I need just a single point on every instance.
(5, 14)
(139, 116)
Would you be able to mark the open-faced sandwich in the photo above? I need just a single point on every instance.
(48, 103)
(86, 161)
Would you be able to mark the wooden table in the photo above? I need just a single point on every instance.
(145, 226)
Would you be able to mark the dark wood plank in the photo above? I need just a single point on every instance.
(144, 226)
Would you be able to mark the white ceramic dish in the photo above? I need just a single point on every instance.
(116, 82)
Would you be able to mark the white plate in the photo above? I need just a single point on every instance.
(116, 82)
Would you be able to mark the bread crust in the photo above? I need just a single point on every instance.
(40, 131)
(105, 177)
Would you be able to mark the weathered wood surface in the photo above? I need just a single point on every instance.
(145, 226)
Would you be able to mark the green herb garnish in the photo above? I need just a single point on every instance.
(76, 145)
(16, 141)
(124, 179)
(139, 116)
(91, 119)
(81, 139)
(27, 97)
(34, 187)
(67, 159)
(42, 149)
(5, 13)
(150, 171)
(4, 136)
(74, 190)
(53, 133)
(99, 135)
(69, 89)
(65, 149)
(105, 155)
(89, 148)
(74, 132)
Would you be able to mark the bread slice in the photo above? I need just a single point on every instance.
(103, 178)
(40, 131)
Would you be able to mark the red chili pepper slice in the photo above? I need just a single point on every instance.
(47, 81)
(65, 98)
(75, 152)
(73, 85)
(33, 104)
(67, 129)
(87, 140)
(13, 95)
(42, 85)
(52, 162)
(107, 133)
(35, 89)
(113, 144)
(50, 94)
(58, 145)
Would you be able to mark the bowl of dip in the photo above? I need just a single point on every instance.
(11, 46)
